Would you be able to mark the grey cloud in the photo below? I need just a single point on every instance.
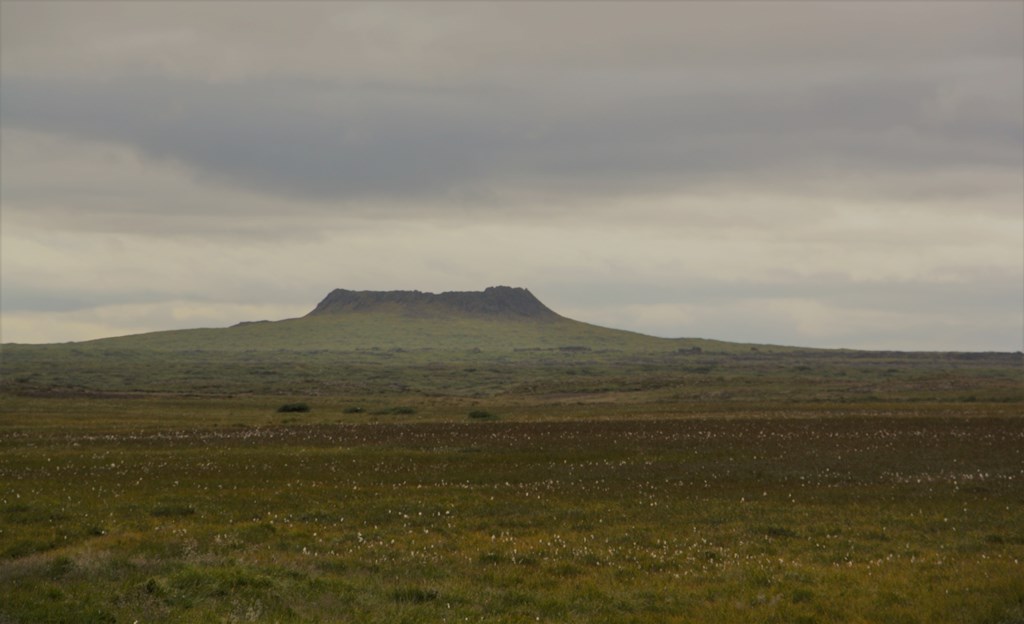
(867, 139)
(964, 293)
(16, 299)
(450, 40)
(465, 103)
(21, 295)
(911, 333)
(327, 141)
(312, 139)
(26, 298)
(979, 311)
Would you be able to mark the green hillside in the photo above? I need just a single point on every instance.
(499, 319)
(395, 330)
(501, 341)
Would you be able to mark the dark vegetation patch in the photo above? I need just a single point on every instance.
(414, 595)
(395, 411)
(26, 547)
(173, 510)
(778, 532)
(294, 408)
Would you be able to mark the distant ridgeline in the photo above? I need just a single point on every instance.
(496, 301)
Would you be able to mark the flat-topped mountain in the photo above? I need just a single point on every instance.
(494, 302)
(455, 343)
(498, 319)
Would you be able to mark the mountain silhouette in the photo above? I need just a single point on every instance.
(494, 302)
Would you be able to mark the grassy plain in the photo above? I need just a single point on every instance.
(609, 478)
(176, 509)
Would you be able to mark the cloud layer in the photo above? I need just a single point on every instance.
(833, 174)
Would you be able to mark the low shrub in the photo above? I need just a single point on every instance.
(481, 414)
(60, 567)
(777, 531)
(293, 407)
(396, 410)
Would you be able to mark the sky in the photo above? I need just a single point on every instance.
(824, 174)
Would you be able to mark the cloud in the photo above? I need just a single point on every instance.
(350, 143)
(450, 41)
(126, 319)
(447, 104)
(820, 173)
(669, 282)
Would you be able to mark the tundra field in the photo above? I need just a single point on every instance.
(176, 509)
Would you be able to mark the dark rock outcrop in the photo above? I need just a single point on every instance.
(496, 301)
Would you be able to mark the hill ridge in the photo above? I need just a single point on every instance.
(493, 302)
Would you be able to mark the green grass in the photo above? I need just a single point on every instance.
(512, 472)
(790, 376)
(176, 509)
(389, 331)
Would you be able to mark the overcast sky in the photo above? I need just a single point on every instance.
(834, 174)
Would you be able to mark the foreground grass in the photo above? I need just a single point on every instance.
(245, 517)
